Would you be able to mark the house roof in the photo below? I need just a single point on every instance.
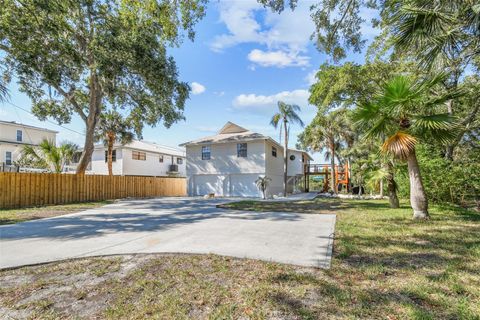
(302, 151)
(13, 123)
(149, 147)
(232, 132)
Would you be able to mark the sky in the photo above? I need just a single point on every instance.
(243, 60)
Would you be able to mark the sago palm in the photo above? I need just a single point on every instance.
(51, 155)
(262, 184)
(401, 114)
(113, 127)
(286, 114)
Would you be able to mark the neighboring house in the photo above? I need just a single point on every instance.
(13, 136)
(227, 164)
(139, 158)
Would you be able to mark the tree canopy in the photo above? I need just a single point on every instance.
(83, 57)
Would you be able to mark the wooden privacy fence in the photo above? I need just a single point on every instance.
(19, 190)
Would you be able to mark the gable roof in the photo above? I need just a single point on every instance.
(25, 126)
(231, 127)
(149, 147)
(230, 132)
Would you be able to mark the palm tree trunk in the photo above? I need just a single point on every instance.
(392, 188)
(285, 173)
(332, 163)
(418, 198)
(111, 139)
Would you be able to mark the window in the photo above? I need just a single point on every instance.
(241, 150)
(206, 153)
(138, 155)
(274, 152)
(160, 159)
(114, 155)
(19, 135)
(179, 160)
(8, 158)
(292, 157)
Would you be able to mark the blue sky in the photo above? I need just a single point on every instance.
(243, 60)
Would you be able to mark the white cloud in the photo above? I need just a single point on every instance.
(253, 102)
(219, 93)
(286, 36)
(311, 78)
(197, 88)
(278, 58)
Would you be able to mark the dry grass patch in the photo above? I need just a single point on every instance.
(10, 216)
(385, 266)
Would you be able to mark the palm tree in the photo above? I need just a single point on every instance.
(287, 113)
(262, 184)
(113, 127)
(443, 35)
(49, 154)
(403, 112)
(327, 133)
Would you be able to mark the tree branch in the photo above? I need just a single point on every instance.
(71, 99)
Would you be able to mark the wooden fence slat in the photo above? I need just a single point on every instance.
(19, 189)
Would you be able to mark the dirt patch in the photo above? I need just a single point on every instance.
(12, 216)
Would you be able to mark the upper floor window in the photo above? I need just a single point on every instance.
(179, 160)
(241, 150)
(138, 155)
(205, 152)
(160, 158)
(8, 158)
(19, 135)
(114, 155)
(274, 152)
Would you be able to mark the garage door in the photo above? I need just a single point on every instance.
(243, 185)
(205, 184)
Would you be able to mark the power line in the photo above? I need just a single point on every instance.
(49, 121)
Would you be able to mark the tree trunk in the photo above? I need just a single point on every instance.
(332, 163)
(111, 140)
(381, 188)
(418, 198)
(285, 173)
(94, 110)
(392, 188)
(88, 146)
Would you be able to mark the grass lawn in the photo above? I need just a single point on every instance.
(9, 216)
(385, 266)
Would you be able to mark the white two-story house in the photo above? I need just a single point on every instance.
(13, 136)
(139, 158)
(229, 163)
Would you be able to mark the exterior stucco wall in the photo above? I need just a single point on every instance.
(274, 170)
(8, 133)
(224, 159)
(224, 173)
(126, 165)
(99, 166)
(151, 166)
(295, 167)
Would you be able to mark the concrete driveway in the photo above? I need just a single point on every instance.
(187, 225)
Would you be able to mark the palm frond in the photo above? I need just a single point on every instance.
(400, 145)
(433, 122)
(276, 120)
